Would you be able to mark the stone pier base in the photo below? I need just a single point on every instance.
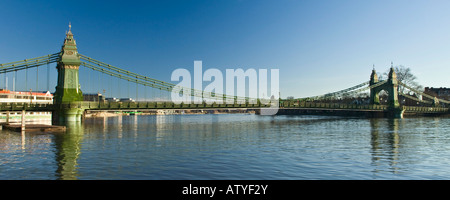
(67, 115)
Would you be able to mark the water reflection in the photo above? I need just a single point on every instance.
(385, 142)
(68, 150)
(119, 126)
(23, 139)
(230, 146)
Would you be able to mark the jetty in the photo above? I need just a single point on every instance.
(34, 128)
(23, 127)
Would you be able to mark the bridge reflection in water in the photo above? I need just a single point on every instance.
(170, 146)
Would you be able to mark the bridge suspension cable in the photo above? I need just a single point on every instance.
(351, 90)
(150, 82)
(29, 63)
(414, 98)
(421, 93)
(170, 87)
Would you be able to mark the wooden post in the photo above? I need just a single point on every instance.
(23, 121)
(7, 117)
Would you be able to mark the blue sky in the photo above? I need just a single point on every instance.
(319, 46)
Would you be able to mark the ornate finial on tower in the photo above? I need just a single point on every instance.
(373, 67)
(70, 30)
(69, 53)
(392, 74)
(373, 76)
(392, 64)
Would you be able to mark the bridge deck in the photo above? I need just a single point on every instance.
(170, 105)
(355, 107)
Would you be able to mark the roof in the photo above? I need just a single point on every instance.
(2, 91)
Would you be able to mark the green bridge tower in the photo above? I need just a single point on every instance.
(391, 87)
(68, 85)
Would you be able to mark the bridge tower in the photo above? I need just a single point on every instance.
(374, 96)
(391, 87)
(68, 85)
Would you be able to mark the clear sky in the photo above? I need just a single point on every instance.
(319, 46)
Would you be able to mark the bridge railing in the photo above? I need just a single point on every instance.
(25, 106)
(151, 105)
(121, 105)
(170, 105)
(425, 109)
(305, 104)
(320, 105)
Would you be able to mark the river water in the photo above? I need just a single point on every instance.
(232, 146)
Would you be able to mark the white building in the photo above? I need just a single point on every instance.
(7, 96)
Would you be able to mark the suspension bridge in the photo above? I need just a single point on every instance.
(68, 104)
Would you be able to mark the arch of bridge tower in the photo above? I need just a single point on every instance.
(390, 86)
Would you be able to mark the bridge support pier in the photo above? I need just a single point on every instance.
(68, 115)
(396, 113)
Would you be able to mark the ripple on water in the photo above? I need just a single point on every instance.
(233, 147)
